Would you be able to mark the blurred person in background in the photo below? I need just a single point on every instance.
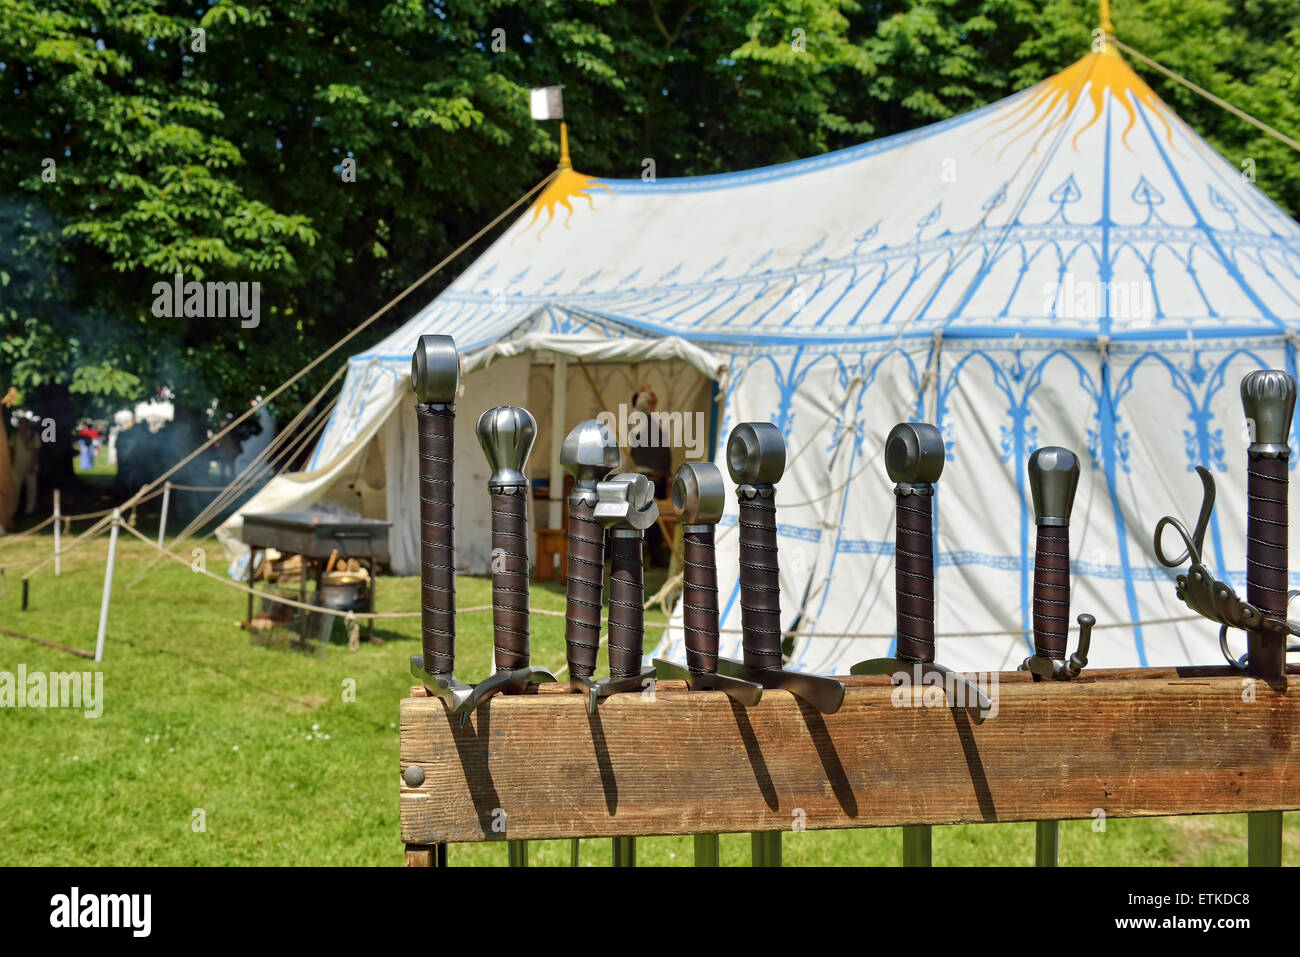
(25, 454)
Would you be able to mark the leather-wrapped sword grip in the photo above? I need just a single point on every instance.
(437, 537)
(1266, 534)
(1052, 591)
(584, 595)
(760, 582)
(914, 575)
(700, 601)
(626, 615)
(510, 578)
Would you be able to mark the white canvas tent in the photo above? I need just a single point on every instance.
(1072, 265)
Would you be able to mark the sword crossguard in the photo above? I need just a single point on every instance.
(511, 681)
(447, 687)
(966, 694)
(597, 689)
(1059, 669)
(747, 693)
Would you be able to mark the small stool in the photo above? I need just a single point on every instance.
(552, 542)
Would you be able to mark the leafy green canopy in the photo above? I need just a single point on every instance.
(222, 154)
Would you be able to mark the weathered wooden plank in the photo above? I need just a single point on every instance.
(1130, 743)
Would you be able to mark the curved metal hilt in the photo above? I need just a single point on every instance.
(1204, 594)
(1064, 670)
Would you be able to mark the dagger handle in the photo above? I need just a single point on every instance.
(510, 578)
(700, 600)
(436, 423)
(1052, 591)
(626, 615)
(760, 578)
(1266, 555)
(914, 572)
(585, 593)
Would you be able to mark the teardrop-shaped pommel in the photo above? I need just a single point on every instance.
(756, 454)
(435, 370)
(626, 501)
(507, 434)
(1268, 398)
(699, 495)
(1053, 478)
(914, 453)
(590, 452)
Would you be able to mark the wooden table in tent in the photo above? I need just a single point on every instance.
(314, 536)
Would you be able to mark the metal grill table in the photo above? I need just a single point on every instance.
(314, 536)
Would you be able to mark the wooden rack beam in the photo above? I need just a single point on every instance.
(1130, 743)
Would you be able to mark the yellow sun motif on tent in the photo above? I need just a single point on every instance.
(567, 186)
(1102, 74)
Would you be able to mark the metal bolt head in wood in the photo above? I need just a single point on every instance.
(589, 453)
(627, 501)
(756, 454)
(1053, 479)
(413, 776)
(507, 434)
(914, 454)
(699, 495)
(435, 370)
(1268, 398)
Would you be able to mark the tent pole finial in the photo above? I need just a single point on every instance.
(564, 146)
(1106, 25)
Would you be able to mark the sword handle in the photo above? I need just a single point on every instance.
(1052, 591)
(1266, 534)
(436, 425)
(626, 615)
(914, 574)
(760, 580)
(700, 601)
(585, 594)
(510, 578)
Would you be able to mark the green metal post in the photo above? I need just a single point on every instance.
(625, 852)
(1046, 842)
(707, 853)
(916, 846)
(1264, 838)
(765, 849)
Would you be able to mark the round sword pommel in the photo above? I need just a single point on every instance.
(914, 453)
(507, 434)
(698, 493)
(626, 501)
(756, 454)
(435, 369)
(1053, 477)
(1268, 398)
(590, 452)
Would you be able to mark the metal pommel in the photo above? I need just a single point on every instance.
(699, 495)
(590, 452)
(626, 501)
(507, 434)
(1268, 398)
(914, 454)
(1053, 478)
(435, 370)
(756, 454)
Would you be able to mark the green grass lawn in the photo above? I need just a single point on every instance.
(285, 771)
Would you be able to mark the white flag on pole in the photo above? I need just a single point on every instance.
(547, 104)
